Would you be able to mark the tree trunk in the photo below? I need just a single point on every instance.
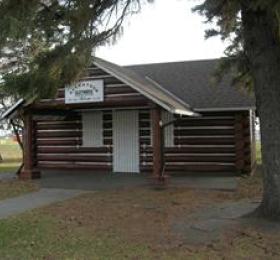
(263, 51)
(20, 143)
(16, 132)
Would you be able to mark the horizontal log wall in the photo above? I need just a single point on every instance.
(116, 94)
(58, 145)
(215, 142)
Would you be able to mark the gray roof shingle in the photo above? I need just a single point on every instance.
(190, 80)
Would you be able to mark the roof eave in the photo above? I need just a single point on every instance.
(186, 113)
(217, 109)
(11, 112)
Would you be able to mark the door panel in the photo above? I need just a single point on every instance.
(126, 141)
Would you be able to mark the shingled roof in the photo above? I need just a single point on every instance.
(190, 80)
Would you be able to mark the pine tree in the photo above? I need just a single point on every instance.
(253, 29)
(45, 44)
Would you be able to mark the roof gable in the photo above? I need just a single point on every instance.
(147, 87)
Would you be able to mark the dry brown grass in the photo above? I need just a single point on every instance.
(138, 215)
(15, 188)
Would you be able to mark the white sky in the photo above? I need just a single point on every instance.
(164, 31)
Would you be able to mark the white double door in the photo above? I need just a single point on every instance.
(126, 155)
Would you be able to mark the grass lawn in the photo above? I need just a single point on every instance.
(9, 167)
(131, 224)
(11, 155)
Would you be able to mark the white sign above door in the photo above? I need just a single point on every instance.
(85, 91)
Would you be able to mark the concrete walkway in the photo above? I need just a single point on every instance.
(100, 181)
(7, 176)
(43, 197)
(208, 224)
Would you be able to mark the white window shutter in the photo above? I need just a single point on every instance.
(166, 117)
(92, 129)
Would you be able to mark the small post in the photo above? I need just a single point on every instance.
(28, 172)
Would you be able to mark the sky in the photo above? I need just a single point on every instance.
(164, 31)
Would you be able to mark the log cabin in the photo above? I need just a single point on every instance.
(156, 119)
